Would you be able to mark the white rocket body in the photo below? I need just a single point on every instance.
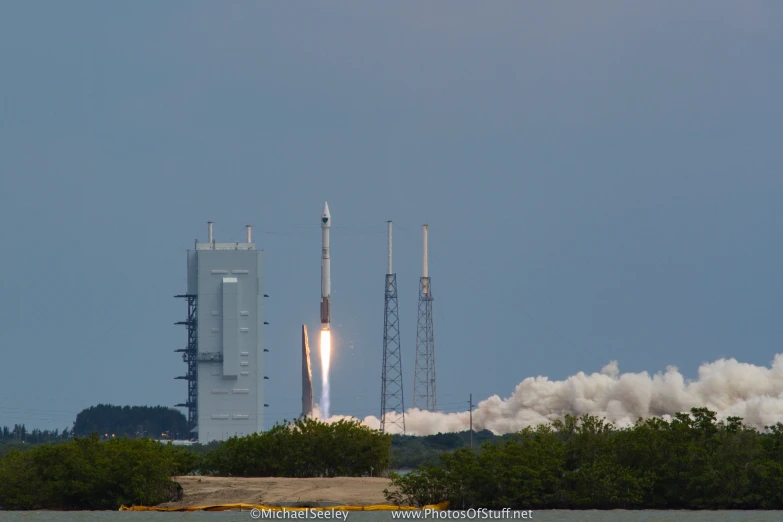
(326, 283)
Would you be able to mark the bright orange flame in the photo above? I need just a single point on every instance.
(326, 351)
(326, 355)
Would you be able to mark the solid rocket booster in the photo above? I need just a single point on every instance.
(307, 377)
(326, 283)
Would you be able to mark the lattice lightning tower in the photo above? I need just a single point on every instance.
(424, 396)
(392, 401)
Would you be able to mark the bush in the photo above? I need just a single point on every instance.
(304, 448)
(691, 462)
(86, 473)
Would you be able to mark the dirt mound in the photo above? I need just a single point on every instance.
(202, 491)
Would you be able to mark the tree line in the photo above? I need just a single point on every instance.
(410, 451)
(690, 462)
(20, 433)
(156, 422)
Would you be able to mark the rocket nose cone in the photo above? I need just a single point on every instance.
(326, 217)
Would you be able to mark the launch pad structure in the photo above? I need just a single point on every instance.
(392, 400)
(224, 352)
(424, 390)
(190, 356)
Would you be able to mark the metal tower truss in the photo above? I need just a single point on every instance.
(391, 380)
(424, 396)
(191, 357)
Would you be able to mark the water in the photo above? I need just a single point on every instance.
(380, 516)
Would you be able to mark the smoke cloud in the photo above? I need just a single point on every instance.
(729, 387)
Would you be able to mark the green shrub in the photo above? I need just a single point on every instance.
(86, 473)
(304, 448)
(690, 462)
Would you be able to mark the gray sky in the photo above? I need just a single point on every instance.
(602, 181)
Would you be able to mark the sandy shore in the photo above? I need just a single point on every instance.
(201, 491)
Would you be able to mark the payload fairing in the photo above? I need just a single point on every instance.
(326, 291)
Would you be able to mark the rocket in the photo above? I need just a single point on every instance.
(326, 283)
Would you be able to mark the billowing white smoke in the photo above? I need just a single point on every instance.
(726, 386)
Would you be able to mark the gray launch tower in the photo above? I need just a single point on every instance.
(225, 352)
(424, 396)
(392, 400)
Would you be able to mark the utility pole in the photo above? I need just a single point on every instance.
(470, 403)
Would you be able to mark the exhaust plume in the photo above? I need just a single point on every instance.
(726, 386)
(326, 355)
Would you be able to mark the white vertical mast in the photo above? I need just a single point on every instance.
(425, 270)
(389, 269)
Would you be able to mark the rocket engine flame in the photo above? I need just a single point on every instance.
(326, 355)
